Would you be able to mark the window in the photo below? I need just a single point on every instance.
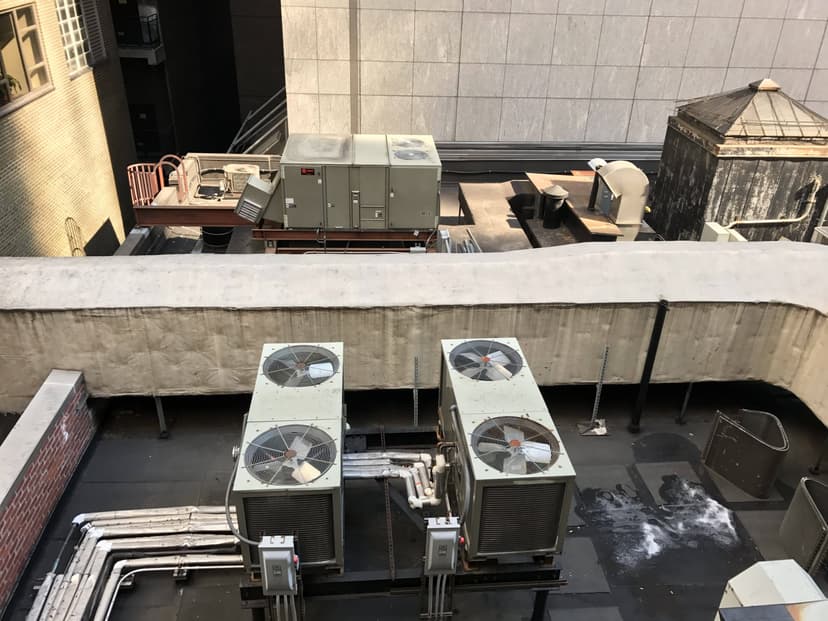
(80, 30)
(22, 63)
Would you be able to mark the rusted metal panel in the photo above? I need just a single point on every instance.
(187, 216)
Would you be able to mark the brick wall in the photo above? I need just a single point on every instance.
(37, 460)
(56, 157)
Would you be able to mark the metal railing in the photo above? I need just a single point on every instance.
(139, 31)
(263, 127)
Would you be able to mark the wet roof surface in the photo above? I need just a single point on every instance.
(640, 546)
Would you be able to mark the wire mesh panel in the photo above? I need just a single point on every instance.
(747, 449)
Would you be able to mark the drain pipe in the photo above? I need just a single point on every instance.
(416, 497)
(810, 201)
(649, 362)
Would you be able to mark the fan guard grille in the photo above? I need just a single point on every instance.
(487, 361)
(290, 455)
(300, 366)
(494, 443)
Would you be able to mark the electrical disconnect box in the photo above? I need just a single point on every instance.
(442, 541)
(276, 555)
(359, 182)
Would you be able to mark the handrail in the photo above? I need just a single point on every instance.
(271, 115)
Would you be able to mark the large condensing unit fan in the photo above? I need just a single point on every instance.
(300, 365)
(290, 455)
(515, 445)
(489, 361)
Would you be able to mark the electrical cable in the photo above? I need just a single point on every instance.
(230, 524)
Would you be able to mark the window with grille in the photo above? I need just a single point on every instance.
(80, 30)
(22, 63)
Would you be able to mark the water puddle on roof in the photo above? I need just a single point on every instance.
(689, 518)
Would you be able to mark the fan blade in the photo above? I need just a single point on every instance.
(515, 464)
(295, 378)
(499, 356)
(504, 372)
(511, 433)
(305, 473)
(320, 369)
(471, 371)
(538, 452)
(266, 464)
(491, 447)
(301, 446)
(472, 357)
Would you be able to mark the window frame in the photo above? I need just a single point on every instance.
(81, 35)
(46, 86)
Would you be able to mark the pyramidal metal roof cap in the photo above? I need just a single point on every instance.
(760, 110)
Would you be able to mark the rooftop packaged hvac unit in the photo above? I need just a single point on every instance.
(289, 479)
(364, 181)
(520, 485)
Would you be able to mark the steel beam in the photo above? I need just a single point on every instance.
(187, 216)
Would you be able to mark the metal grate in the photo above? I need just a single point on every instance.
(804, 529)
(308, 517)
(520, 518)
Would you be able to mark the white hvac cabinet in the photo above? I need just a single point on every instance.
(513, 475)
(288, 479)
(768, 583)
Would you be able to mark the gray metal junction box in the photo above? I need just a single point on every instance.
(360, 182)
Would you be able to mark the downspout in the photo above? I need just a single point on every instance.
(649, 362)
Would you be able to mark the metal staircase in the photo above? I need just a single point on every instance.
(264, 130)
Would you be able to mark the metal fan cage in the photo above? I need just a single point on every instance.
(494, 432)
(300, 366)
(269, 459)
(486, 360)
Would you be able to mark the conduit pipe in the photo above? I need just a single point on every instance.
(404, 456)
(128, 567)
(810, 201)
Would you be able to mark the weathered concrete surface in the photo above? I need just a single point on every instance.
(195, 324)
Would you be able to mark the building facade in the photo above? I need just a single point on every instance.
(64, 130)
(539, 70)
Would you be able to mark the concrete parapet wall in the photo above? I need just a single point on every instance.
(195, 325)
(37, 460)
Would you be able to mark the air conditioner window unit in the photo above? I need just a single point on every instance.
(521, 483)
(288, 477)
(487, 376)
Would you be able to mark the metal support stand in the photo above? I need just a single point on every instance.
(596, 426)
(817, 467)
(163, 433)
(649, 362)
(539, 606)
(416, 394)
(681, 420)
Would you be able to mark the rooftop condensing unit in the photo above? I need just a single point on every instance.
(289, 477)
(515, 479)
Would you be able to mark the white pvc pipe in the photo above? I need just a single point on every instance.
(405, 456)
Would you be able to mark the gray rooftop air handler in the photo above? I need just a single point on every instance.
(804, 530)
(747, 449)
